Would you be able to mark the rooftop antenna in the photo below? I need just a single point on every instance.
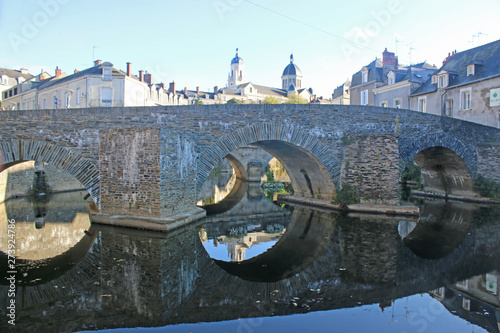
(397, 41)
(411, 49)
(479, 35)
(93, 53)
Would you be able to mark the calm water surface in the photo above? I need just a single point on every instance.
(258, 267)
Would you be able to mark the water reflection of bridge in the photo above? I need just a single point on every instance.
(132, 278)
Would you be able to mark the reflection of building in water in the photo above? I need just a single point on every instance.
(475, 300)
(236, 247)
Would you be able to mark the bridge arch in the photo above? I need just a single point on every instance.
(447, 165)
(18, 151)
(313, 168)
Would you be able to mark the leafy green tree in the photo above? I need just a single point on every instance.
(271, 100)
(198, 101)
(235, 101)
(296, 99)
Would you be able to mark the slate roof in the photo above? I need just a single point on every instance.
(270, 91)
(14, 73)
(375, 73)
(485, 57)
(96, 70)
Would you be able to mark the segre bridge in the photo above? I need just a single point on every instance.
(151, 161)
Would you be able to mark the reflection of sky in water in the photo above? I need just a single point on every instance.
(220, 252)
(417, 313)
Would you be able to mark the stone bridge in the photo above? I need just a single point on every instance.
(152, 161)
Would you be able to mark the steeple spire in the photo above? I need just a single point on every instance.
(291, 58)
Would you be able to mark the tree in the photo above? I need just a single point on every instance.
(198, 100)
(235, 101)
(296, 99)
(271, 100)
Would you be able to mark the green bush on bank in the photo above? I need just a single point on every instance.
(487, 187)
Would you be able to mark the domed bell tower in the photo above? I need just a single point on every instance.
(237, 74)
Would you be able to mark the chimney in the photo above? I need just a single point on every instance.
(216, 89)
(76, 71)
(129, 69)
(58, 72)
(141, 75)
(148, 78)
(97, 62)
(449, 56)
(162, 85)
(171, 87)
(389, 59)
(197, 90)
(185, 90)
(24, 71)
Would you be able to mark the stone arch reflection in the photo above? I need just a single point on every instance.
(441, 228)
(43, 254)
(305, 238)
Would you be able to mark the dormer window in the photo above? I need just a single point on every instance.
(471, 70)
(364, 76)
(391, 78)
(443, 81)
(434, 79)
(107, 71)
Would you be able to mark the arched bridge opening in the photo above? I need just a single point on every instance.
(61, 160)
(444, 171)
(446, 164)
(313, 169)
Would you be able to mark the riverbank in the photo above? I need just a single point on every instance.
(357, 208)
(451, 197)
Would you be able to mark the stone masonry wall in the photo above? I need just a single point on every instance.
(129, 172)
(489, 161)
(371, 165)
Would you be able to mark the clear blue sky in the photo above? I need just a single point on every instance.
(193, 41)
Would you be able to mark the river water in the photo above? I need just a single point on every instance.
(253, 266)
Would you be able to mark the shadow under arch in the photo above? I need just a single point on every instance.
(447, 165)
(312, 167)
(306, 237)
(237, 192)
(441, 228)
(18, 151)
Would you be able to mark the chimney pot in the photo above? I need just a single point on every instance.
(141, 75)
(129, 69)
(76, 71)
(185, 90)
(58, 72)
(197, 90)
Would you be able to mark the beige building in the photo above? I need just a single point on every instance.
(99, 86)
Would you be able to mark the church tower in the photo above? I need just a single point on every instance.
(237, 75)
(292, 76)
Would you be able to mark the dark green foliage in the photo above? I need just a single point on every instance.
(411, 173)
(487, 187)
(346, 196)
